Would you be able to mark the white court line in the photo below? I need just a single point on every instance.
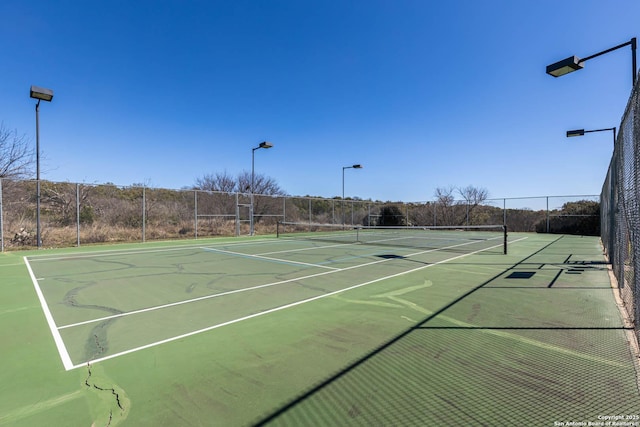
(252, 288)
(11, 265)
(273, 310)
(270, 259)
(313, 248)
(62, 350)
(115, 252)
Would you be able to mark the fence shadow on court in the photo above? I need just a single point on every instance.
(519, 369)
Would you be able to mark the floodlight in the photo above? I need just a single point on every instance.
(565, 66)
(357, 166)
(577, 132)
(263, 144)
(574, 63)
(581, 132)
(41, 93)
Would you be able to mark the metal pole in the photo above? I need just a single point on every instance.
(547, 214)
(195, 212)
(343, 213)
(284, 208)
(504, 229)
(633, 61)
(237, 214)
(253, 152)
(352, 207)
(504, 212)
(406, 222)
(38, 239)
(333, 211)
(1, 221)
(144, 213)
(78, 213)
(435, 214)
(467, 212)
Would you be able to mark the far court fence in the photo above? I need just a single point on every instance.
(74, 214)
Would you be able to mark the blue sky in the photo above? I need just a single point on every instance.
(424, 94)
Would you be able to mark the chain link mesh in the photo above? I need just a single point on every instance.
(620, 209)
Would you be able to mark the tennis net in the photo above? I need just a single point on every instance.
(459, 238)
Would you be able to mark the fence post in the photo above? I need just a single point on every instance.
(78, 214)
(435, 218)
(333, 211)
(467, 212)
(504, 211)
(143, 213)
(195, 214)
(238, 213)
(547, 214)
(1, 220)
(352, 202)
(406, 222)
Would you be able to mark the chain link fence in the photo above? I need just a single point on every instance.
(620, 209)
(77, 214)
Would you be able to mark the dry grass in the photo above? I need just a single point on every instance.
(66, 236)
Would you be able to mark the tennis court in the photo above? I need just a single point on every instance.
(107, 304)
(438, 327)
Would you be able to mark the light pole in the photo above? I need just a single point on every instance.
(41, 94)
(263, 144)
(581, 132)
(343, 168)
(573, 63)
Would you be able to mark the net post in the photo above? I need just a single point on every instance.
(504, 230)
(277, 229)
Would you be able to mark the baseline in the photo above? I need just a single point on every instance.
(57, 338)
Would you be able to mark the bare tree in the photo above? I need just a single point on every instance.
(218, 182)
(262, 184)
(61, 199)
(473, 197)
(242, 184)
(16, 154)
(444, 203)
(452, 212)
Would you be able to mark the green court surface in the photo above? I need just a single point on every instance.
(266, 331)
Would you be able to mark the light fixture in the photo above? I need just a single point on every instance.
(263, 144)
(577, 132)
(581, 132)
(565, 66)
(41, 94)
(358, 166)
(574, 63)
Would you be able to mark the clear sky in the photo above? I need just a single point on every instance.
(422, 93)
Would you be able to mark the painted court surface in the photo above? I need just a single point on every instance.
(269, 331)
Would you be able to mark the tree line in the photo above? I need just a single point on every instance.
(223, 199)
